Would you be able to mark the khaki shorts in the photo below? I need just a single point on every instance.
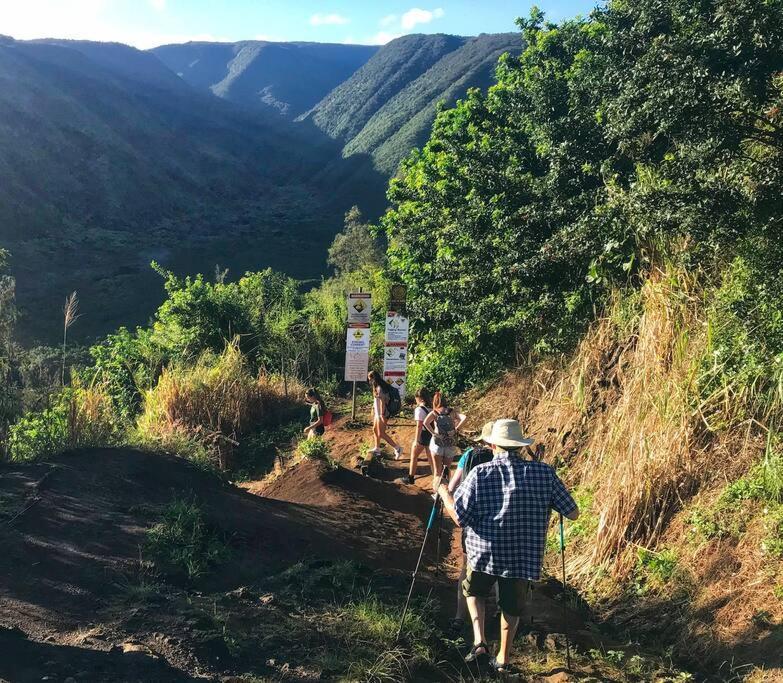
(512, 593)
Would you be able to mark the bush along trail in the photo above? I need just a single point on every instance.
(146, 567)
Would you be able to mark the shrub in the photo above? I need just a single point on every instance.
(314, 449)
(79, 417)
(213, 403)
(183, 542)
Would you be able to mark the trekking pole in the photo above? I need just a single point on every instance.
(440, 532)
(430, 523)
(562, 562)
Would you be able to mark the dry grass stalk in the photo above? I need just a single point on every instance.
(70, 316)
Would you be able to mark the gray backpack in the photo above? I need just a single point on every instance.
(445, 431)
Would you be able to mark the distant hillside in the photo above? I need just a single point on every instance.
(387, 107)
(102, 172)
(289, 78)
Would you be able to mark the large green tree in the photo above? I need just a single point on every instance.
(648, 130)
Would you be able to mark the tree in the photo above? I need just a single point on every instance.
(355, 247)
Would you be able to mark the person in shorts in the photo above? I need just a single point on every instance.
(443, 423)
(503, 506)
(421, 437)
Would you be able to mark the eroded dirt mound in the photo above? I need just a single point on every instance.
(382, 522)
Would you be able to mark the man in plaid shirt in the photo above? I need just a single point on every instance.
(504, 508)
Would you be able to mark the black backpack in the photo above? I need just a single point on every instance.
(478, 456)
(394, 404)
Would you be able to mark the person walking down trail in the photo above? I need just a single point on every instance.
(318, 414)
(382, 393)
(443, 423)
(421, 437)
(472, 457)
(504, 507)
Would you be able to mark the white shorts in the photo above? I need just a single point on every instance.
(448, 453)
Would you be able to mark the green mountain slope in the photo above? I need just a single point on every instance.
(289, 78)
(101, 174)
(388, 106)
(348, 108)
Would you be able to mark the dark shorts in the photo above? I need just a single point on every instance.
(424, 438)
(319, 430)
(512, 593)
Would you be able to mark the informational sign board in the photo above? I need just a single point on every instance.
(357, 353)
(395, 350)
(396, 327)
(359, 308)
(398, 297)
(396, 379)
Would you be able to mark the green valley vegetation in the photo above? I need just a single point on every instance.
(605, 222)
(387, 107)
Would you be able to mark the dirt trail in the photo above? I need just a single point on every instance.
(73, 532)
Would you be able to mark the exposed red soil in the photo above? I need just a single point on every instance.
(73, 531)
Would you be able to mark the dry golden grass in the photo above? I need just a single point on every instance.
(212, 403)
(624, 419)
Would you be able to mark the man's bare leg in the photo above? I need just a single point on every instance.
(508, 629)
(477, 608)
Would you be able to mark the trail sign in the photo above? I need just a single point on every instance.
(359, 308)
(395, 350)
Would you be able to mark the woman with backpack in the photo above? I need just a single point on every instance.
(443, 422)
(381, 391)
(421, 437)
(318, 414)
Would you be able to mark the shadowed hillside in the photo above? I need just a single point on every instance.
(288, 78)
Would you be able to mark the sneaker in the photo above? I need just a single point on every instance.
(407, 479)
(398, 452)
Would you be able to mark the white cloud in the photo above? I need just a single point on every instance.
(388, 20)
(420, 16)
(158, 5)
(328, 20)
(383, 37)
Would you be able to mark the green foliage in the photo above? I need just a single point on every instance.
(773, 528)
(78, 417)
(613, 143)
(355, 247)
(655, 569)
(183, 542)
(315, 448)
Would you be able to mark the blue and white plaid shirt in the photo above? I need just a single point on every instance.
(503, 507)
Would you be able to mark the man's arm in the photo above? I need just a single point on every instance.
(562, 501)
(448, 502)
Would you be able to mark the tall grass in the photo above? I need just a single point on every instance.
(209, 406)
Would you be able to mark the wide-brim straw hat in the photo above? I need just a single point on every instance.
(507, 434)
(486, 430)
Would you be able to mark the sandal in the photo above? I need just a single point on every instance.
(475, 656)
(506, 669)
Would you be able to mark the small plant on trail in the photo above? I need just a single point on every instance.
(655, 569)
(314, 449)
(183, 541)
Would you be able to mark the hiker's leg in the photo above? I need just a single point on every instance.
(512, 596)
(376, 432)
(462, 607)
(475, 587)
(387, 436)
(437, 469)
(508, 629)
(416, 449)
(476, 607)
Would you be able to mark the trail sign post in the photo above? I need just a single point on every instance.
(357, 342)
(395, 349)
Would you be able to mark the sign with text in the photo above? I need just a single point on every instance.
(359, 308)
(396, 327)
(357, 353)
(395, 350)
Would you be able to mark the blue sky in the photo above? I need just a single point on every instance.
(146, 23)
